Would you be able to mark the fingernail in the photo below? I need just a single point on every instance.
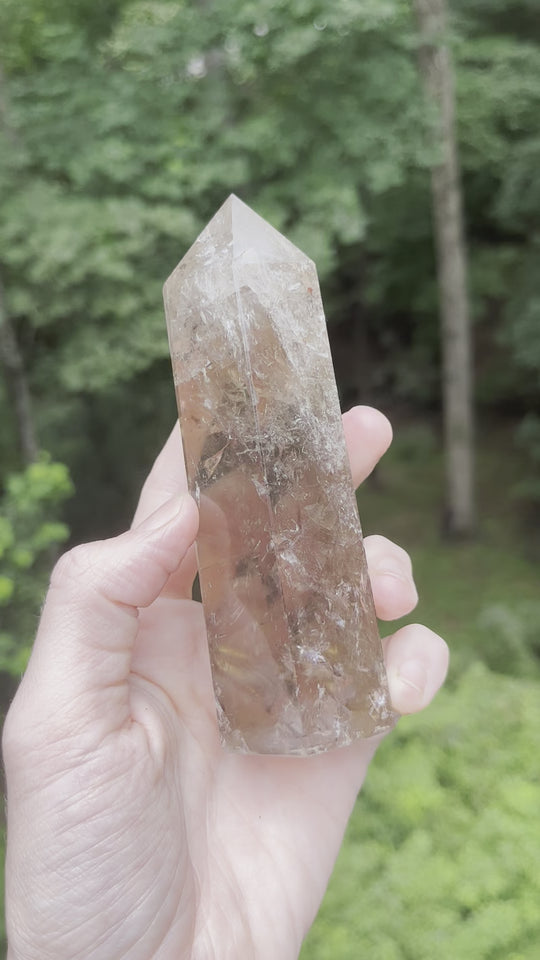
(413, 674)
(165, 514)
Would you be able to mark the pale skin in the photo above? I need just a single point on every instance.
(132, 835)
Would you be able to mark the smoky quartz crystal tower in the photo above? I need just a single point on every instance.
(295, 652)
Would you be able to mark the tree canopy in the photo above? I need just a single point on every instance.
(124, 125)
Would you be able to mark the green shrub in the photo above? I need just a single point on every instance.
(509, 637)
(441, 855)
(30, 531)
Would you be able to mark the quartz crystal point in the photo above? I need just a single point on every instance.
(295, 652)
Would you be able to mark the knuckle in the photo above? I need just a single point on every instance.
(9, 735)
(376, 542)
(14, 734)
(379, 547)
(402, 556)
(74, 567)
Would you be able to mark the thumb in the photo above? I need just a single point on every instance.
(80, 664)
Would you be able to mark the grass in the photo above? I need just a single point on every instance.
(474, 593)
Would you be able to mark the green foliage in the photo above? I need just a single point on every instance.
(441, 855)
(127, 122)
(30, 531)
(509, 637)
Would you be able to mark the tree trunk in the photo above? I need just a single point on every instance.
(17, 384)
(438, 79)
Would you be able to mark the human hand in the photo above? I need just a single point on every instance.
(131, 834)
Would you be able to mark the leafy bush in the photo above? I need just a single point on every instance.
(30, 530)
(509, 637)
(441, 856)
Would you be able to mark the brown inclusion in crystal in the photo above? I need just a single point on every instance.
(295, 652)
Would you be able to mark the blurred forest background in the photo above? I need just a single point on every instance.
(123, 126)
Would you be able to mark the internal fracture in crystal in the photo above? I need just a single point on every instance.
(295, 652)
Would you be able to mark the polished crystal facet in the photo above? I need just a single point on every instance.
(294, 646)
